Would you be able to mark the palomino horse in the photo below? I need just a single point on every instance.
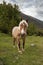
(19, 32)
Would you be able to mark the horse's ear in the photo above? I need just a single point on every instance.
(27, 20)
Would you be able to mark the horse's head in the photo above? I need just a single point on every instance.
(23, 27)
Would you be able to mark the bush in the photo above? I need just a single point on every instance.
(39, 32)
(31, 29)
(9, 17)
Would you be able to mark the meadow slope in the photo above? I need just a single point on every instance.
(31, 55)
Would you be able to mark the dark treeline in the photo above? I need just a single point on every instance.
(10, 17)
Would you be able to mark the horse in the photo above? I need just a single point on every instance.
(19, 32)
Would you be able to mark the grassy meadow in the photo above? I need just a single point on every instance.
(31, 55)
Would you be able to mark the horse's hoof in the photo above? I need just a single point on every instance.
(23, 50)
(32, 45)
(20, 51)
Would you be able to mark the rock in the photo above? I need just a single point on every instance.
(33, 45)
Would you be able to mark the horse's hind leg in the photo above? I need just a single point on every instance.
(18, 43)
(14, 41)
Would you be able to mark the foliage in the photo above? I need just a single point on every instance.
(9, 17)
(34, 30)
(31, 29)
(39, 32)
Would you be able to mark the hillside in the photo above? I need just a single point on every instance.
(37, 22)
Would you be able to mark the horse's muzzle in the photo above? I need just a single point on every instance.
(22, 35)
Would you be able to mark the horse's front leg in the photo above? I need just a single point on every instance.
(18, 45)
(23, 44)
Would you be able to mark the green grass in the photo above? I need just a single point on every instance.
(31, 55)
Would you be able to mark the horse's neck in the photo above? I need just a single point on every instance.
(20, 28)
